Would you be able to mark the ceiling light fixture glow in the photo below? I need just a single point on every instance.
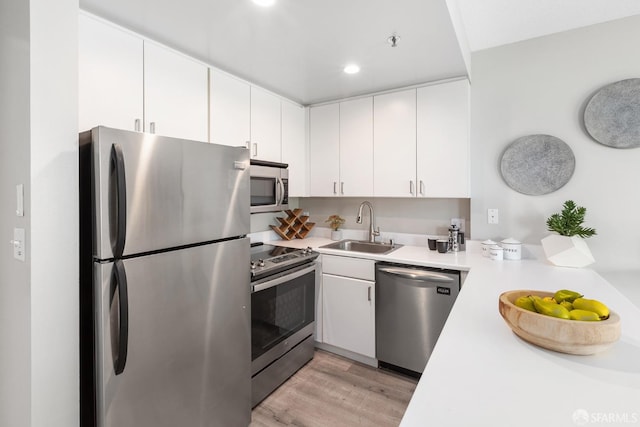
(352, 69)
(264, 3)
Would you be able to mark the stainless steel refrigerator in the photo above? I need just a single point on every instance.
(164, 289)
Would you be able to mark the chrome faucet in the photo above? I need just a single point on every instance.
(372, 233)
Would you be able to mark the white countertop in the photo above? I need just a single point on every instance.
(481, 374)
(406, 254)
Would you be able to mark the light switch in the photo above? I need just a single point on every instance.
(20, 200)
(18, 243)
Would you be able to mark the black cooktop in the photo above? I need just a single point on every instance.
(269, 251)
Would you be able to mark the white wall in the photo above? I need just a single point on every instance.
(542, 86)
(54, 213)
(38, 147)
(15, 307)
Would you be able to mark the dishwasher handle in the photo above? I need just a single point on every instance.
(414, 274)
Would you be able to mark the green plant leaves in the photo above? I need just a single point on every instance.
(569, 221)
(335, 221)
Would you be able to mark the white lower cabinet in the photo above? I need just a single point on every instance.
(348, 304)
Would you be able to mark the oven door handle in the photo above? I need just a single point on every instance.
(282, 279)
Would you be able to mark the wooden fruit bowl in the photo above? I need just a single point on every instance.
(552, 333)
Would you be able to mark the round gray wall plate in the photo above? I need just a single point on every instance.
(612, 115)
(537, 164)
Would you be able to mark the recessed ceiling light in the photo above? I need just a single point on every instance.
(352, 69)
(264, 3)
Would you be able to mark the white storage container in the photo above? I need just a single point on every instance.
(486, 245)
(512, 248)
(496, 253)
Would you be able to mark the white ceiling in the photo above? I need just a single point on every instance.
(490, 23)
(298, 48)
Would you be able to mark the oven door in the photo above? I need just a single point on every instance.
(269, 189)
(282, 314)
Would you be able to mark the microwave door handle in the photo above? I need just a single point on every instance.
(281, 189)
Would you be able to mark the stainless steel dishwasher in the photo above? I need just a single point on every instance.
(412, 305)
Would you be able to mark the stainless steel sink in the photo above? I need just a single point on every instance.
(361, 246)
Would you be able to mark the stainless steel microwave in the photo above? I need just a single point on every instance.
(269, 186)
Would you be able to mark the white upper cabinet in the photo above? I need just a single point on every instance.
(394, 144)
(110, 78)
(443, 150)
(175, 94)
(230, 110)
(341, 149)
(324, 150)
(265, 126)
(123, 80)
(294, 147)
(356, 147)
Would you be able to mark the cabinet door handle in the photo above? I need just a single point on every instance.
(247, 144)
(369, 293)
(136, 125)
(342, 188)
(255, 149)
(421, 187)
(152, 127)
(411, 187)
(334, 187)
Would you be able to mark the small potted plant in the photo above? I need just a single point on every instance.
(335, 222)
(568, 248)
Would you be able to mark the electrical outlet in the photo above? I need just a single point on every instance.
(492, 216)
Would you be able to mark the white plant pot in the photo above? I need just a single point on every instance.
(565, 251)
(336, 234)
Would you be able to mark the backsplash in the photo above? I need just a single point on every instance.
(392, 215)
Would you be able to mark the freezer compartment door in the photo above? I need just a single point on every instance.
(173, 338)
(152, 192)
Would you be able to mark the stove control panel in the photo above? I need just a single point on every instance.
(270, 265)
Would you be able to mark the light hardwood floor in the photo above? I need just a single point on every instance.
(333, 391)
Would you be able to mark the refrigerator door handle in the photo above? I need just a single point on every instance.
(117, 158)
(120, 282)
